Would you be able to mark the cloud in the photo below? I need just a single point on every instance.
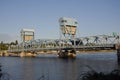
(8, 38)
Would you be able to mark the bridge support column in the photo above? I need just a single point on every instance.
(4, 53)
(27, 54)
(67, 53)
(22, 54)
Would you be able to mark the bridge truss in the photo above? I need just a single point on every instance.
(99, 41)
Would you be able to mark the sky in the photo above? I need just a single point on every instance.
(95, 17)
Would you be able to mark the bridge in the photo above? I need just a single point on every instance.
(103, 42)
(90, 42)
(67, 41)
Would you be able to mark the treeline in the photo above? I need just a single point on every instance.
(5, 46)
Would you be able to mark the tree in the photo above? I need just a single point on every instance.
(16, 42)
(3, 46)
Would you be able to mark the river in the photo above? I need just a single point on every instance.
(50, 67)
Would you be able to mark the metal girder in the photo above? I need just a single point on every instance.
(92, 41)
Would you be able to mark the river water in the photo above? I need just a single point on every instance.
(50, 67)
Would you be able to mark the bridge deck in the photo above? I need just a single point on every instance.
(65, 48)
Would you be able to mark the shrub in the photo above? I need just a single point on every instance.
(93, 75)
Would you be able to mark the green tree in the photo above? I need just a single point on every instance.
(3, 46)
(16, 42)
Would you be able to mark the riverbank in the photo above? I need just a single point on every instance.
(95, 51)
(31, 54)
(80, 51)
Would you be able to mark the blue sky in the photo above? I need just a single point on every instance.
(95, 17)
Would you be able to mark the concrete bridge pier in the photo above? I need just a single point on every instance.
(28, 54)
(4, 53)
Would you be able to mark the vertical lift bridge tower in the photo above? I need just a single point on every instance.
(27, 34)
(68, 28)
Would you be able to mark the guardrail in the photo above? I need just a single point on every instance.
(109, 46)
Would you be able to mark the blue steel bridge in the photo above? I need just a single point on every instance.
(99, 42)
(67, 40)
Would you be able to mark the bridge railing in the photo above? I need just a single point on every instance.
(62, 47)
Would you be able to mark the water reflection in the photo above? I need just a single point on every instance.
(50, 67)
(27, 69)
